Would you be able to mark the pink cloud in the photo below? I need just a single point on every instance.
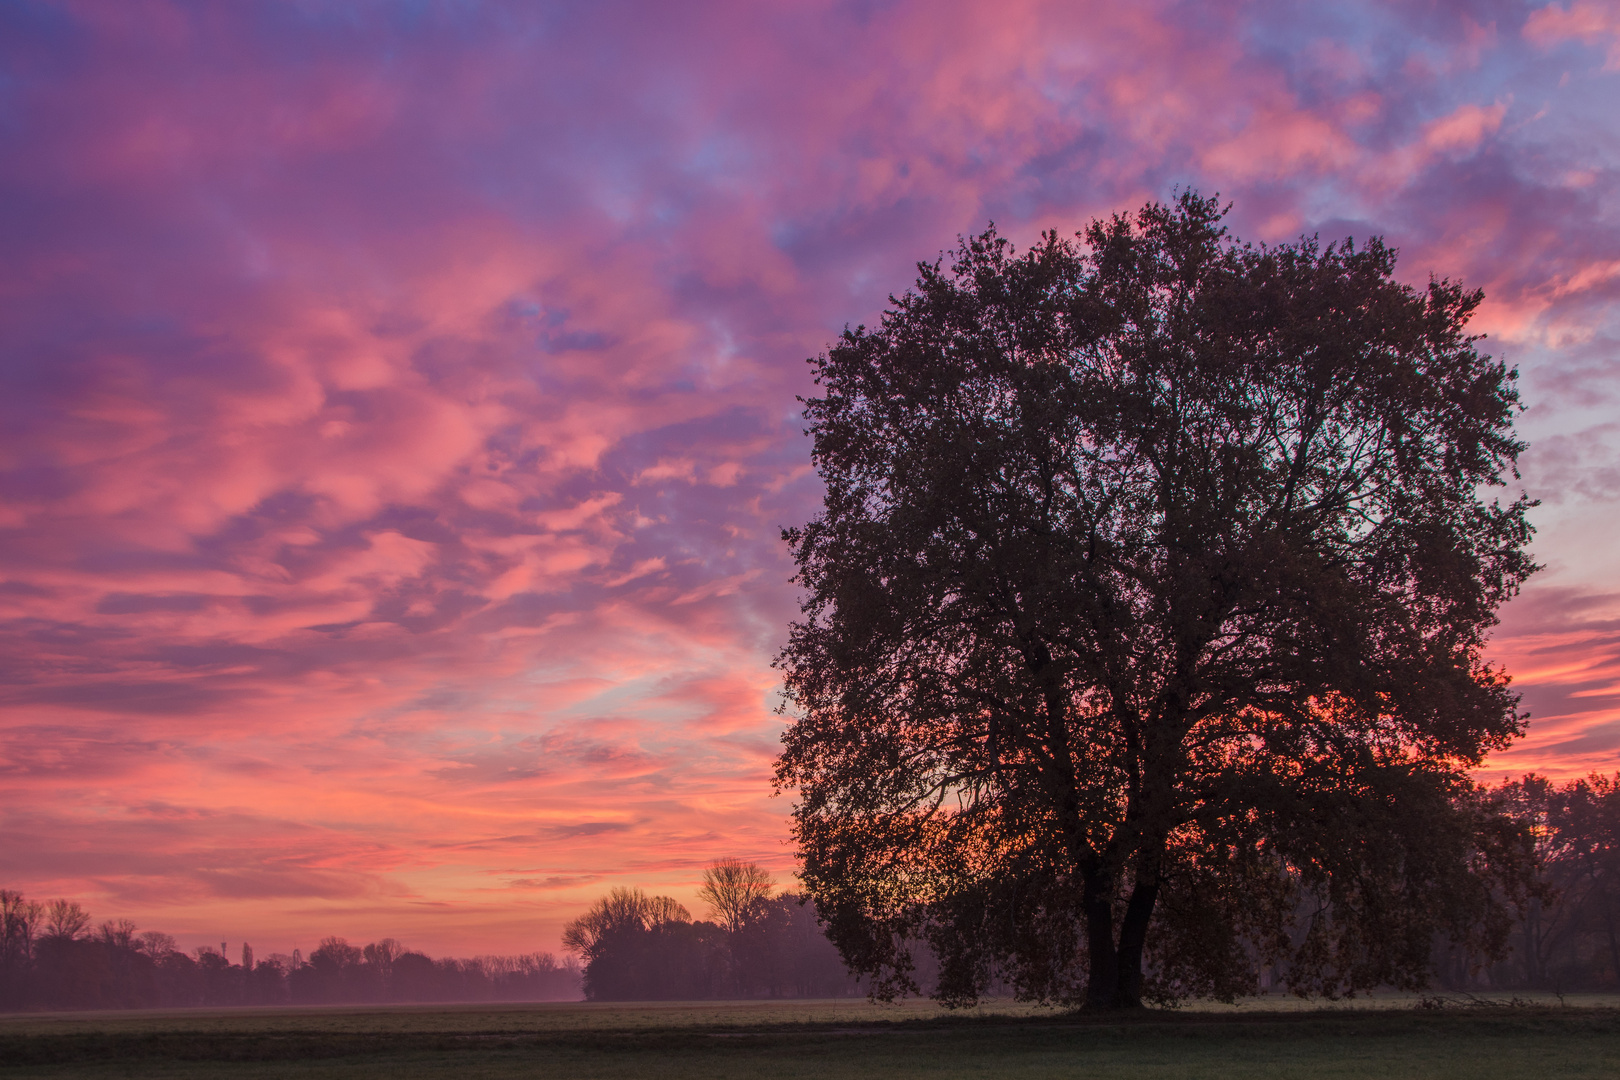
(1464, 128)
(1589, 21)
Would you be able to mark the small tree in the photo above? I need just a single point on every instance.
(19, 929)
(118, 933)
(19, 925)
(155, 943)
(65, 920)
(734, 889)
(1145, 615)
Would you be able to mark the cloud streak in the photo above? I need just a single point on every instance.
(398, 403)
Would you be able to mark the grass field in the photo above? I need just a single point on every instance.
(1385, 1038)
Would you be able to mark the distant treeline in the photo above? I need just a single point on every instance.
(633, 947)
(1568, 934)
(51, 958)
(758, 944)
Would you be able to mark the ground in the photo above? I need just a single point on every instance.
(1393, 1038)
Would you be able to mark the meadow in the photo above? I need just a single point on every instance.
(1540, 1038)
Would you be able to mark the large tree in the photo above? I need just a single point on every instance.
(1142, 647)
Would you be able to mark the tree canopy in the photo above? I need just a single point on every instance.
(1142, 643)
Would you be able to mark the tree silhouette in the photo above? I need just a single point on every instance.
(1576, 826)
(620, 911)
(733, 889)
(1142, 644)
(65, 920)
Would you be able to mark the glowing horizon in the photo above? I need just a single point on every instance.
(400, 400)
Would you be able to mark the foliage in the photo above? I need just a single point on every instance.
(640, 948)
(1142, 649)
(19, 923)
(621, 911)
(1569, 935)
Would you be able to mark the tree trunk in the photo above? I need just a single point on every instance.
(1532, 943)
(1114, 980)
(1614, 945)
(1102, 975)
(1133, 932)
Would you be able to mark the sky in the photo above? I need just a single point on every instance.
(398, 400)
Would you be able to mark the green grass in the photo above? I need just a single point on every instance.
(825, 1041)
